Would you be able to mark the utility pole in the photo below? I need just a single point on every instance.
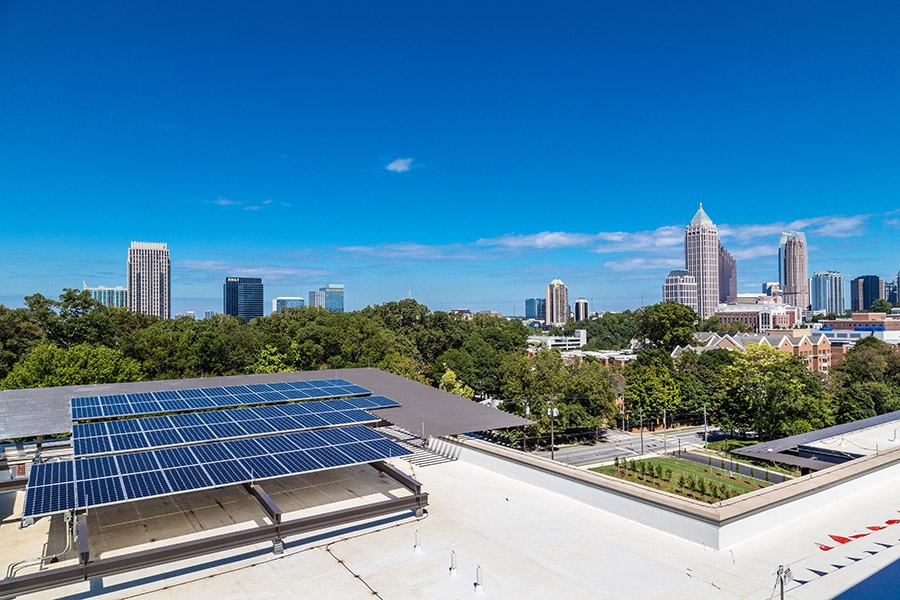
(553, 412)
(665, 442)
(705, 433)
(641, 426)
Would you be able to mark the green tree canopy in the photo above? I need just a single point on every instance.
(49, 365)
(666, 325)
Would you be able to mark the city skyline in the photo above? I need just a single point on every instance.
(415, 152)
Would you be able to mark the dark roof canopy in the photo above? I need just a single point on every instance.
(423, 409)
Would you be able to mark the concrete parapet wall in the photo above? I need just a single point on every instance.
(722, 525)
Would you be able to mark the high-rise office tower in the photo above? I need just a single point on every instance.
(792, 268)
(316, 298)
(334, 297)
(864, 290)
(727, 275)
(701, 259)
(772, 288)
(149, 279)
(828, 292)
(681, 287)
(243, 297)
(282, 302)
(557, 303)
(536, 308)
(112, 297)
(582, 309)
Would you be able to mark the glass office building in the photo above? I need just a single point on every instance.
(243, 297)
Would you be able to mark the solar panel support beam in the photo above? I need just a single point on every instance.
(81, 532)
(399, 476)
(265, 502)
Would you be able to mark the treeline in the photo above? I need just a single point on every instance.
(76, 340)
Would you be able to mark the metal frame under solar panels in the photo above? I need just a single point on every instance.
(128, 435)
(89, 482)
(169, 401)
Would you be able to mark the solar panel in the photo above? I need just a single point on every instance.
(145, 485)
(195, 399)
(121, 426)
(110, 479)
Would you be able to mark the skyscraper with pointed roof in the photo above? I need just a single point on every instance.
(701, 259)
(792, 268)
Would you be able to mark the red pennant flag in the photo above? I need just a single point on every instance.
(876, 527)
(823, 546)
(892, 521)
(858, 535)
(839, 538)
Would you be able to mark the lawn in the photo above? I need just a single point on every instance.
(683, 477)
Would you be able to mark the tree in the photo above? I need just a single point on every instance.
(771, 393)
(867, 379)
(666, 325)
(449, 383)
(650, 389)
(18, 334)
(48, 365)
(881, 305)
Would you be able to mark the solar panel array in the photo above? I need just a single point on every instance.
(128, 435)
(101, 480)
(172, 401)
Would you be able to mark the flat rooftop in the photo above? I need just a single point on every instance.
(529, 541)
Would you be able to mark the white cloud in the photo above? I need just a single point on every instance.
(224, 202)
(414, 251)
(644, 264)
(400, 165)
(895, 223)
(544, 240)
(251, 208)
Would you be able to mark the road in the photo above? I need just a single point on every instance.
(619, 443)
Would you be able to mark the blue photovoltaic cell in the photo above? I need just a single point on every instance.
(310, 421)
(222, 401)
(340, 405)
(175, 457)
(167, 395)
(215, 391)
(226, 473)
(197, 434)
(330, 457)
(335, 436)
(88, 430)
(208, 453)
(387, 448)
(261, 467)
(259, 388)
(188, 478)
(244, 448)
(128, 441)
(114, 399)
(123, 426)
(95, 492)
(210, 418)
(136, 462)
(268, 412)
(241, 414)
(238, 389)
(49, 499)
(155, 423)
(299, 461)
(86, 401)
(144, 485)
(305, 439)
(140, 397)
(228, 430)
(273, 396)
(360, 452)
(275, 444)
(50, 473)
(93, 468)
(116, 410)
(91, 445)
(257, 427)
(83, 413)
(157, 439)
(145, 408)
(383, 402)
(363, 433)
(191, 394)
(186, 420)
(176, 405)
(294, 409)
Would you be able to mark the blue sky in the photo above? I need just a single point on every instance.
(466, 153)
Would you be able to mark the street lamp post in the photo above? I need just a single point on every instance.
(525, 428)
(553, 412)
